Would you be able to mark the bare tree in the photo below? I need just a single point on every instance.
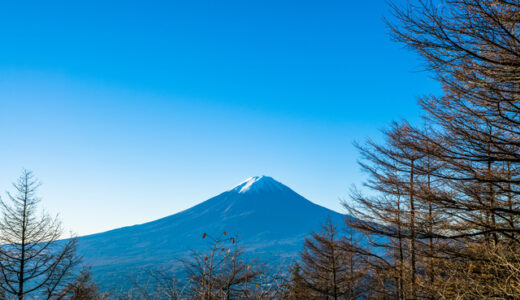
(326, 269)
(473, 48)
(155, 284)
(82, 287)
(222, 272)
(295, 286)
(32, 260)
(460, 174)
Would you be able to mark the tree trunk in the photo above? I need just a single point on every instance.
(412, 232)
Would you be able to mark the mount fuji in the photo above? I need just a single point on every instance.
(270, 219)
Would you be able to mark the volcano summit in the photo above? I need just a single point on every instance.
(270, 219)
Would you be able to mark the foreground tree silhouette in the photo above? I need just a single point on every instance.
(32, 261)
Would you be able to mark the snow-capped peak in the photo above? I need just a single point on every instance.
(257, 183)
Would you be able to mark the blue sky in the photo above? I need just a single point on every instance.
(133, 110)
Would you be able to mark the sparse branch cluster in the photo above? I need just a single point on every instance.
(221, 271)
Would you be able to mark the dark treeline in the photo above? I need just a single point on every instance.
(440, 220)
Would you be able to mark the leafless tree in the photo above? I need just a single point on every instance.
(155, 284)
(33, 263)
(473, 48)
(325, 269)
(460, 173)
(82, 287)
(222, 272)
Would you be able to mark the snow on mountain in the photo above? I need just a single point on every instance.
(258, 184)
(269, 218)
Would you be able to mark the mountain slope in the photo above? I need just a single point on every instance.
(270, 219)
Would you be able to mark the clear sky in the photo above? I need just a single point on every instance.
(129, 111)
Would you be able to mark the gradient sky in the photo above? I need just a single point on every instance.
(133, 110)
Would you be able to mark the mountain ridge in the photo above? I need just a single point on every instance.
(270, 219)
